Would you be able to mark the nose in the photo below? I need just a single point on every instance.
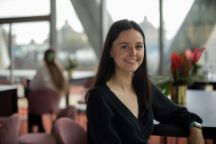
(132, 50)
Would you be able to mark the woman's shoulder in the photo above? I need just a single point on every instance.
(97, 92)
(99, 89)
(41, 67)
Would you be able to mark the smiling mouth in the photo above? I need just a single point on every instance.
(131, 61)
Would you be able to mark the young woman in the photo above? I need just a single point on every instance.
(50, 74)
(123, 102)
(49, 77)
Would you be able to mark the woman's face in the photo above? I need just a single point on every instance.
(128, 51)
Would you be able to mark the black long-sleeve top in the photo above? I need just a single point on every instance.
(111, 122)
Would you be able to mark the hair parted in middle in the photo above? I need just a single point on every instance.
(106, 67)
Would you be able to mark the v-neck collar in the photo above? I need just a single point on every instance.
(123, 105)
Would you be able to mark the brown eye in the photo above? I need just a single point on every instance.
(124, 46)
(140, 46)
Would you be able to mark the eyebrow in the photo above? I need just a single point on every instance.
(140, 43)
(129, 43)
(123, 43)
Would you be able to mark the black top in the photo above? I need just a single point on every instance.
(111, 122)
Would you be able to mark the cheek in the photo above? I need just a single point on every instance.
(116, 54)
(113, 53)
(141, 56)
(117, 58)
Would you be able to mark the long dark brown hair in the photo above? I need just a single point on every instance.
(106, 67)
(55, 71)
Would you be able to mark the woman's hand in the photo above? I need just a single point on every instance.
(196, 136)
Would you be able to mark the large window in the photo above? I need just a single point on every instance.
(29, 40)
(23, 41)
(187, 24)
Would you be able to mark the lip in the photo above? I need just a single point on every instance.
(130, 60)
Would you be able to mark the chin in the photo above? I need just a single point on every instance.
(132, 70)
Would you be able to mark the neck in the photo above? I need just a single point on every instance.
(122, 81)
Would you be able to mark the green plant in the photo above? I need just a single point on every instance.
(71, 64)
(163, 83)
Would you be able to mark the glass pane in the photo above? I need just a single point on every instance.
(174, 15)
(146, 13)
(191, 24)
(19, 8)
(72, 39)
(29, 42)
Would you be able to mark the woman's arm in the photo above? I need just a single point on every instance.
(195, 136)
(99, 116)
(168, 112)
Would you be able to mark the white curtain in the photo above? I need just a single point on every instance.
(4, 56)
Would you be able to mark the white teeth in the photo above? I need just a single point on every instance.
(131, 61)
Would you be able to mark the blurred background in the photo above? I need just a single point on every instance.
(76, 29)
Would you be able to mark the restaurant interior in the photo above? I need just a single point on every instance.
(76, 30)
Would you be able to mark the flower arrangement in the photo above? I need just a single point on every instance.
(184, 65)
